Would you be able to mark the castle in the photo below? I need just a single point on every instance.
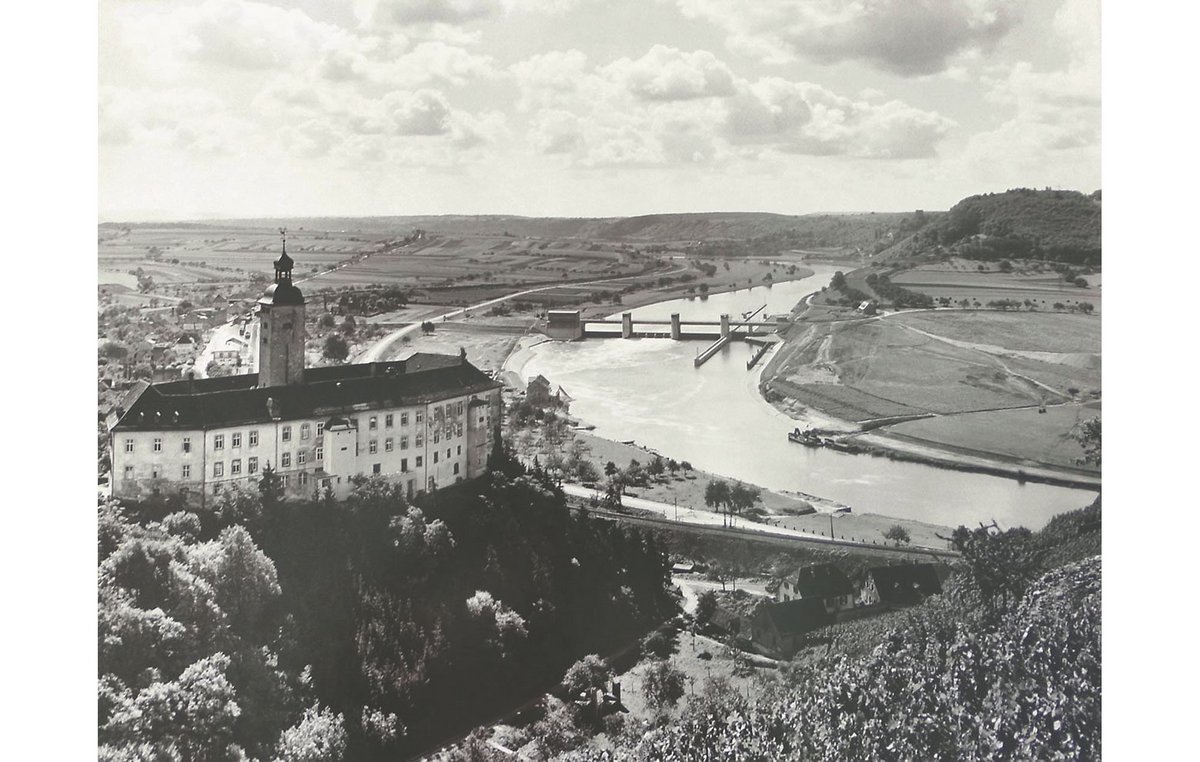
(425, 421)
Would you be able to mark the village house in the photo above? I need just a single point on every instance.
(537, 391)
(779, 629)
(821, 582)
(901, 585)
(425, 422)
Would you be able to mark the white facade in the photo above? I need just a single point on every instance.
(424, 446)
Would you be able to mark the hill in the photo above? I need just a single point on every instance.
(1056, 225)
(815, 230)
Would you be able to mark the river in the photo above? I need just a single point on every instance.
(647, 390)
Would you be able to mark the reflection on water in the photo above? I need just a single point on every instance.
(648, 390)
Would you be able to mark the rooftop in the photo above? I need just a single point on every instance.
(233, 400)
(821, 581)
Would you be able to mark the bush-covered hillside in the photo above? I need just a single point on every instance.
(1004, 665)
(366, 629)
(1049, 224)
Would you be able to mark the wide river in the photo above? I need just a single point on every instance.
(649, 391)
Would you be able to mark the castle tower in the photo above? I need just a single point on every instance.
(281, 325)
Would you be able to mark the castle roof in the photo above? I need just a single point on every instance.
(234, 400)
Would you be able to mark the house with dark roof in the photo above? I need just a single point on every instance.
(780, 628)
(820, 582)
(900, 585)
(425, 421)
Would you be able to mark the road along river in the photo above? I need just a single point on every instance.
(647, 390)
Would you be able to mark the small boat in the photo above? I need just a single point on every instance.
(806, 437)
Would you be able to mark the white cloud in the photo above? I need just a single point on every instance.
(667, 74)
(383, 13)
(185, 118)
(238, 34)
(907, 37)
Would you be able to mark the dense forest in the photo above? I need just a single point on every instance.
(1054, 225)
(1004, 665)
(356, 630)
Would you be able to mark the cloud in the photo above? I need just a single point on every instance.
(238, 34)
(668, 74)
(383, 13)
(800, 117)
(905, 37)
(185, 118)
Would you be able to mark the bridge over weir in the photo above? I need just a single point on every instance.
(568, 324)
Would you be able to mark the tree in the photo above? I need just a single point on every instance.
(673, 466)
(319, 736)
(335, 348)
(326, 321)
(1002, 564)
(685, 465)
(193, 716)
(270, 490)
(897, 534)
(610, 468)
(348, 325)
(743, 498)
(589, 673)
(706, 606)
(111, 350)
(245, 582)
(657, 466)
(1089, 437)
(662, 684)
(717, 495)
(427, 327)
(658, 643)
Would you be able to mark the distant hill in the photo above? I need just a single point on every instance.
(1056, 225)
(779, 230)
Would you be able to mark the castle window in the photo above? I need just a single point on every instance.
(302, 478)
(373, 423)
(218, 468)
(235, 466)
(158, 444)
(155, 470)
(301, 457)
(219, 442)
(456, 468)
(305, 431)
(187, 444)
(128, 445)
(254, 438)
(319, 453)
(460, 449)
(252, 465)
(388, 444)
(128, 473)
(404, 464)
(403, 443)
(435, 457)
(287, 434)
(437, 435)
(388, 420)
(420, 442)
(375, 468)
(420, 461)
(404, 419)
(373, 446)
(185, 472)
(285, 460)
(235, 439)
(320, 429)
(420, 416)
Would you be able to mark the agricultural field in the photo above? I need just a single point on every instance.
(982, 374)
(494, 260)
(219, 252)
(1022, 435)
(958, 279)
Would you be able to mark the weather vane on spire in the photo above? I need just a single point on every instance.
(283, 235)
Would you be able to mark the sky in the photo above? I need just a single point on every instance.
(245, 108)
